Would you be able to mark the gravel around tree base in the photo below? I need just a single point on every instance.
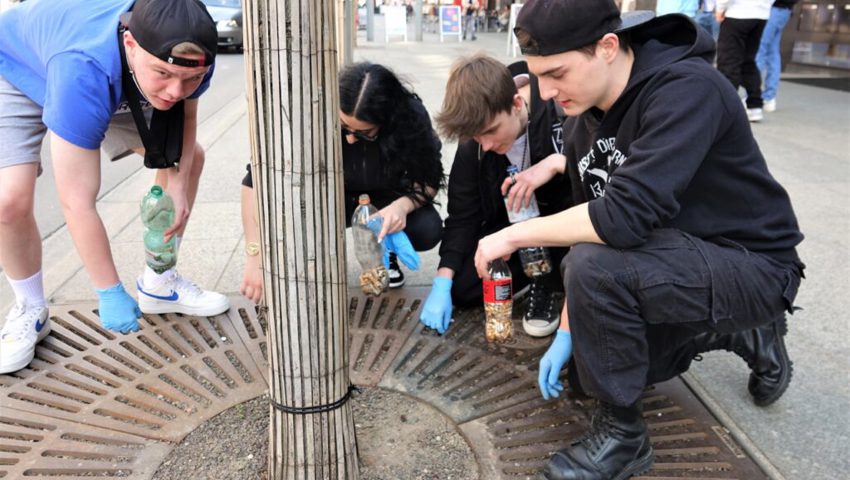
(399, 437)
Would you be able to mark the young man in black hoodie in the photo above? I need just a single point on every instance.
(497, 112)
(682, 241)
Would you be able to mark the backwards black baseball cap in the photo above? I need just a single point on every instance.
(159, 25)
(548, 27)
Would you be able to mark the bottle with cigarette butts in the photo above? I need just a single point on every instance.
(498, 302)
(374, 277)
(536, 261)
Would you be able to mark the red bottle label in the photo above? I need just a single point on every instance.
(497, 291)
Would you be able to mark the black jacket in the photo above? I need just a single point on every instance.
(676, 151)
(476, 207)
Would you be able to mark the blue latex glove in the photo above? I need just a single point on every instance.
(551, 364)
(437, 311)
(118, 310)
(375, 224)
(397, 243)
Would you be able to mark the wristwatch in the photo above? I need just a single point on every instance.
(252, 249)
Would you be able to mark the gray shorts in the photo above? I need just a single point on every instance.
(22, 130)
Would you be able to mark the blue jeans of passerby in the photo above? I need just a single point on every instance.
(634, 313)
(707, 21)
(471, 27)
(768, 59)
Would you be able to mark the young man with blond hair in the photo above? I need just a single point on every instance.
(497, 113)
(681, 240)
(74, 70)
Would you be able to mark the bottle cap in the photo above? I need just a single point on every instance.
(364, 199)
(512, 169)
(156, 191)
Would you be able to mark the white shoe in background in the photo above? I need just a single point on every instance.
(755, 114)
(769, 105)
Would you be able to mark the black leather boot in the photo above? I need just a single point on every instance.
(616, 447)
(764, 351)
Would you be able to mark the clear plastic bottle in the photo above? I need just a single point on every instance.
(157, 212)
(374, 277)
(536, 261)
(524, 213)
(498, 302)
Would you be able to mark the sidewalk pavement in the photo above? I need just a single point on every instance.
(806, 142)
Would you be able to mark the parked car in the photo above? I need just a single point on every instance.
(228, 20)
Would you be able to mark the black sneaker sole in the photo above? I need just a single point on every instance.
(638, 467)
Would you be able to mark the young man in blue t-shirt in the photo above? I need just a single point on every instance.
(73, 69)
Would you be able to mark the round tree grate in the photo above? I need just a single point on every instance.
(98, 404)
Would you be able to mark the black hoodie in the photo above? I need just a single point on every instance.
(676, 151)
(476, 207)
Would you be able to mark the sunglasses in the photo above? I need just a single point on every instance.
(359, 135)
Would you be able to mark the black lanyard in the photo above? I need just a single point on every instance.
(163, 140)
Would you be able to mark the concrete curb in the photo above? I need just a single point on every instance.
(727, 422)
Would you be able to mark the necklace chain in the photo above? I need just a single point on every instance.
(526, 156)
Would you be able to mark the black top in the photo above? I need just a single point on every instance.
(676, 151)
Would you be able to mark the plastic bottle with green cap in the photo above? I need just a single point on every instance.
(157, 211)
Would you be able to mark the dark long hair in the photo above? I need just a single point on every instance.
(408, 143)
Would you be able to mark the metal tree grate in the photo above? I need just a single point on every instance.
(94, 401)
(98, 404)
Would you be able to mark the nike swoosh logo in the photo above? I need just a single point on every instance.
(39, 325)
(171, 298)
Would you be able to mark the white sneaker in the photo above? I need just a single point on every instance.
(175, 294)
(755, 114)
(24, 328)
(769, 105)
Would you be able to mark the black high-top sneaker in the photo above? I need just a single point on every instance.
(763, 349)
(616, 447)
(394, 272)
(543, 315)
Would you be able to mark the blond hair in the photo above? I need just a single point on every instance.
(186, 48)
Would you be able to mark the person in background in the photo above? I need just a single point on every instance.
(685, 7)
(74, 70)
(497, 113)
(768, 58)
(741, 25)
(681, 241)
(470, 12)
(391, 152)
(705, 17)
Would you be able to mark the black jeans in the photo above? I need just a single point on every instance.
(737, 47)
(634, 313)
(424, 225)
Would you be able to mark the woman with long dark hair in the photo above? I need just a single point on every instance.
(391, 152)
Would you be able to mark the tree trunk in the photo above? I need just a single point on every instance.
(291, 67)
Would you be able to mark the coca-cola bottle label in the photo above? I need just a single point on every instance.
(497, 291)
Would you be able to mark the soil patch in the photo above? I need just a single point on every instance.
(399, 437)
